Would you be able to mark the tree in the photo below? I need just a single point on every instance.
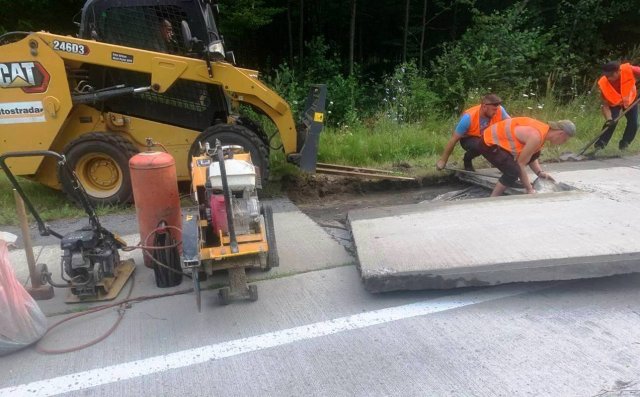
(500, 51)
(423, 33)
(240, 17)
(290, 31)
(301, 32)
(352, 35)
(406, 31)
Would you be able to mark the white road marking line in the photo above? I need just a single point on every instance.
(134, 369)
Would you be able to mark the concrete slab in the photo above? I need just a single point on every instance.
(556, 236)
(303, 246)
(615, 183)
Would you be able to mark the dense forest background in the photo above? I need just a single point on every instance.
(406, 60)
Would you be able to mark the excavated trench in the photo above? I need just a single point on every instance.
(328, 199)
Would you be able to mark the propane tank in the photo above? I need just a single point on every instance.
(155, 193)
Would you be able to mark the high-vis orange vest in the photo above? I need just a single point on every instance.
(503, 134)
(627, 88)
(474, 113)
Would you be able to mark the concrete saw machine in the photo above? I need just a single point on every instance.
(231, 229)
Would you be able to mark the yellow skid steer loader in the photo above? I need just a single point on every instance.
(138, 69)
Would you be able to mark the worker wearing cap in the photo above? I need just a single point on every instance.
(512, 144)
(470, 127)
(618, 91)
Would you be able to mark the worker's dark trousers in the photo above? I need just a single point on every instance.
(629, 131)
(504, 161)
(471, 146)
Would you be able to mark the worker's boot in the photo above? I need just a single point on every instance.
(623, 145)
(468, 165)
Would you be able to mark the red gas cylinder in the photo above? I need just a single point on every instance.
(155, 193)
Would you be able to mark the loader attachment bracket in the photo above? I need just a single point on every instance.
(310, 127)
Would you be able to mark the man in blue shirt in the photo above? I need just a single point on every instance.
(470, 127)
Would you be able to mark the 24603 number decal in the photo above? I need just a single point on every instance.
(73, 48)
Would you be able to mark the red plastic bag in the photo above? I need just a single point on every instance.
(21, 320)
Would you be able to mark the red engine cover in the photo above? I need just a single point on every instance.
(219, 214)
(155, 192)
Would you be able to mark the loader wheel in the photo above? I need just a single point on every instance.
(230, 134)
(255, 128)
(101, 163)
(273, 260)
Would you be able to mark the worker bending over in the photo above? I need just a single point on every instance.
(618, 91)
(470, 127)
(512, 144)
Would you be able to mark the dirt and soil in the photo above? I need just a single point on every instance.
(327, 199)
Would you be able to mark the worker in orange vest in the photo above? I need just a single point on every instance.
(469, 129)
(512, 144)
(618, 91)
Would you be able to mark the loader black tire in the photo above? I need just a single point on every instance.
(255, 127)
(233, 134)
(101, 163)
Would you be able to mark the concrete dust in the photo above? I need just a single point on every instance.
(469, 193)
(542, 185)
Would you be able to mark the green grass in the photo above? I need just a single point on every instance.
(385, 144)
(410, 148)
(50, 203)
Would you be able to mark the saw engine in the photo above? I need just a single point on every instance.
(232, 229)
(245, 207)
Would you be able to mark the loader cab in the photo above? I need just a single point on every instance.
(157, 25)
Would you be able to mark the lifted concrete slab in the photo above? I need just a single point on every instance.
(481, 242)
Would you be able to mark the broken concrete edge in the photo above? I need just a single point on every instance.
(563, 269)
(486, 183)
(408, 209)
(559, 269)
(376, 282)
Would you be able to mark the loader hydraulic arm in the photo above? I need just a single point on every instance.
(241, 85)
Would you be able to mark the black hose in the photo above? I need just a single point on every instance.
(169, 257)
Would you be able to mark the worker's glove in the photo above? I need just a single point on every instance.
(609, 124)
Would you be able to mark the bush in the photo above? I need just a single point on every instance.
(406, 96)
(497, 53)
(346, 96)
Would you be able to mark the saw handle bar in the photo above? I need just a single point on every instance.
(79, 191)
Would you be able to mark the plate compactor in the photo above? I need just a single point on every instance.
(90, 265)
(231, 229)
